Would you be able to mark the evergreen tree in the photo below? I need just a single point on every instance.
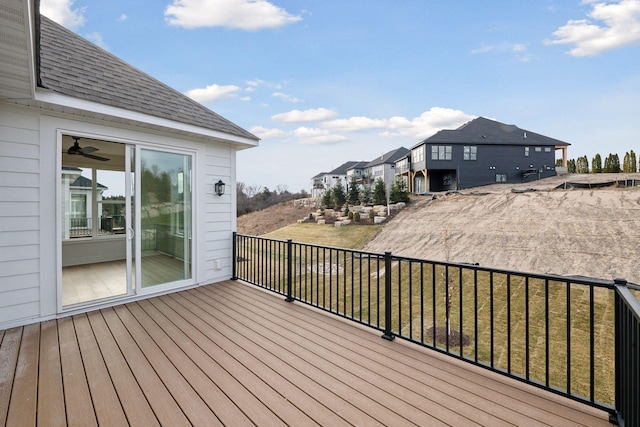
(582, 165)
(327, 200)
(339, 196)
(615, 164)
(399, 191)
(571, 166)
(558, 163)
(366, 195)
(354, 192)
(629, 164)
(596, 164)
(611, 164)
(379, 193)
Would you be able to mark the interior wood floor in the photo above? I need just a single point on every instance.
(90, 282)
(232, 354)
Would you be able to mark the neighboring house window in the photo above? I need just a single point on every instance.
(79, 206)
(417, 154)
(500, 177)
(547, 149)
(470, 152)
(441, 152)
(526, 151)
(538, 149)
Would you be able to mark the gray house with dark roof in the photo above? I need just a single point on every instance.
(480, 152)
(326, 180)
(67, 105)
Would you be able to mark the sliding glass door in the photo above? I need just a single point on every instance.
(163, 218)
(126, 221)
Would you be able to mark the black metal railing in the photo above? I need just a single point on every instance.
(558, 333)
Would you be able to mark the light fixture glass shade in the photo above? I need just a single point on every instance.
(218, 187)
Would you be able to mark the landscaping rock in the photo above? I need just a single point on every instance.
(379, 219)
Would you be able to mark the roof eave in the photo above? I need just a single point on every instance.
(58, 102)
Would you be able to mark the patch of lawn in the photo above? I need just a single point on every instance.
(348, 237)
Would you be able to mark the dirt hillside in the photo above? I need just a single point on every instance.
(274, 217)
(587, 232)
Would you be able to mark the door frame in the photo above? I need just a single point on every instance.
(134, 291)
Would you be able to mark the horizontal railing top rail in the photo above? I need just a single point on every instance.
(556, 332)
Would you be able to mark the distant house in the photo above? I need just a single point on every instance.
(326, 180)
(66, 105)
(479, 152)
(383, 167)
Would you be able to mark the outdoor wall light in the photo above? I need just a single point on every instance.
(218, 187)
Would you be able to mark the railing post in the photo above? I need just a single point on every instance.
(234, 256)
(289, 297)
(388, 334)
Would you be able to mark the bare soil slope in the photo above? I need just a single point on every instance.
(586, 232)
(274, 217)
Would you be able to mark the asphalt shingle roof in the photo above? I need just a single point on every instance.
(72, 66)
(390, 157)
(484, 131)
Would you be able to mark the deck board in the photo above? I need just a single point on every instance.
(8, 360)
(23, 411)
(506, 402)
(79, 406)
(232, 354)
(107, 406)
(51, 409)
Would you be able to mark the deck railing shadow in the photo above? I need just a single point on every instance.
(574, 336)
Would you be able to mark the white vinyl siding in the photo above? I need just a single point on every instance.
(219, 217)
(19, 216)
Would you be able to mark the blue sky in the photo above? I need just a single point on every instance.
(324, 82)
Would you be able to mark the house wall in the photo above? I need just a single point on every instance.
(509, 160)
(30, 234)
(20, 208)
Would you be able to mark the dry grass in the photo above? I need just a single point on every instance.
(350, 237)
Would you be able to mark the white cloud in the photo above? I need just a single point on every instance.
(354, 124)
(285, 97)
(314, 136)
(122, 17)
(428, 123)
(312, 115)
(60, 11)
(213, 92)
(97, 39)
(242, 14)
(265, 133)
(620, 27)
(519, 50)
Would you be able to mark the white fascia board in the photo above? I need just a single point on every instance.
(94, 108)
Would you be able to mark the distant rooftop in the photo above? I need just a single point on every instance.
(484, 131)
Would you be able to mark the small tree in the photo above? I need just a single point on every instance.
(339, 196)
(327, 200)
(582, 165)
(354, 192)
(366, 195)
(571, 166)
(596, 164)
(629, 164)
(399, 191)
(611, 164)
(379, 193)
(558, 163)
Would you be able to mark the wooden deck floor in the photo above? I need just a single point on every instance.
(231, 354)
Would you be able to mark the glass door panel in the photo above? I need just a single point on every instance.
(165, 227)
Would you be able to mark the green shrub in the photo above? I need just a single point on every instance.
(356, 216)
